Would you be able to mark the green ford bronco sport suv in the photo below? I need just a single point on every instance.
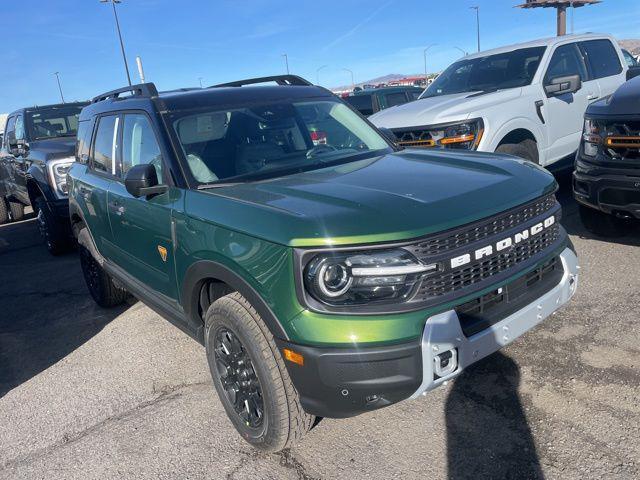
(327, 272)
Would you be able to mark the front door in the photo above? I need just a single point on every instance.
(142, 230)
(21, 163)
(565, 113)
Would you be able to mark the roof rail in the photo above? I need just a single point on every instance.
(141, 90)
(279, 79)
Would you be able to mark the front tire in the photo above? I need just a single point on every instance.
(17, 211)
(99, 283)
(4, 211)
(527, 149)
(603, 224)
(54, 238)
(250, 376)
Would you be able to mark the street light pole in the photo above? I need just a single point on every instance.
(318, 73)
(124, 56)
(286, 61)
(465, 53)
(353, 82)
(477, 9)
(200, 80)
(57, 74)
(424, 53)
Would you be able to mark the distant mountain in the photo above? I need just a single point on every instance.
(632, 45)
(382, 79)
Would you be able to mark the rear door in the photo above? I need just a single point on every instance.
(564, 114)
(604, 64)
(142, 227)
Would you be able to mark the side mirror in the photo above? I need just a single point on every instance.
(142, 181)
(563, 85)
(22, 147)
(633, 72)
(388, 134)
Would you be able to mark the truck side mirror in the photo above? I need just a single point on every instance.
(633, 72)
(142, 181)
(563, 85)
(22, 148)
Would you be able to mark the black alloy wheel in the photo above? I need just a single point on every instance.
(238, 378)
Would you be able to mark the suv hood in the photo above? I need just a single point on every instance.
(440, 109)
(53, 148)
(624, 101)
(393, 197)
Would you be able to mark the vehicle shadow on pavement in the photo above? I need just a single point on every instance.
(488, 435)
(45, 309)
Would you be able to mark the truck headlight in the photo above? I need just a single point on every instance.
(591, 136)
(58, 170)
(359, 277)
(459, 135)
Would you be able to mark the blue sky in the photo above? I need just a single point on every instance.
(223, 40)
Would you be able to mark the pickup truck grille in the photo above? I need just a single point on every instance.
(622, 140)
(484, 229)
(414, 138)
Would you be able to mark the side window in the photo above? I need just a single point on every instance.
(602, 58)
(104, 145)
(566, 60)
(10, 132)
(393, 99)
(139, 144)
(629, 59)
(83, 141)
(19, 128)
(414, 95)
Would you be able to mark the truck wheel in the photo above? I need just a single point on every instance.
(17, 211)
(250, 376)
(55, 240)
(99, 283)
(4, 212)
(603, 224)
(527, 149)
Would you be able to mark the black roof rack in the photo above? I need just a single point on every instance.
(279, 79)
(141, 90)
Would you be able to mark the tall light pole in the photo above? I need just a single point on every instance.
(57, 74)
(353, 82)
(424, 53)
(115, 14)
(477, 9)
(286, 61)
(464, 52)
(318, 73)
(200, 80)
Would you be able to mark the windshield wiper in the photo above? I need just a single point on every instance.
(206, 186)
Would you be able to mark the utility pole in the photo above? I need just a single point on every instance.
(57, 74)
(115, 15)
(477, 9)
(140, 69)
(286, 61)
(424, 53)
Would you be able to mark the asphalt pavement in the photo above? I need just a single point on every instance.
(88, 393)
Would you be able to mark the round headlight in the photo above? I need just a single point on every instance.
(333, 279)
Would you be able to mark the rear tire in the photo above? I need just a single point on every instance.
(99, 283)
(603, 224)
(527, 149)
(54, 237)
(4, 212)
(233, 325)
(17, 211)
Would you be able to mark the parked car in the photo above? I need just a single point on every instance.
(526, 100)
(370, 101)
(606, 180)
(288, 259)
(37, 151)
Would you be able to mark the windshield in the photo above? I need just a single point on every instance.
(490, 73)
(272, 139)
(54, 122)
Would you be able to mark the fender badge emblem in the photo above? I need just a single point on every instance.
(163, 253)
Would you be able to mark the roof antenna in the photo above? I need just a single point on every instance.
(140, 69)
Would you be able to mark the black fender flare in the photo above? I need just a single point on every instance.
(207, 269)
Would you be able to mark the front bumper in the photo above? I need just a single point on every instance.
(612, 191)
(344, 382)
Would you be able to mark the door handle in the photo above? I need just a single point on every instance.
(117, 208)
(593, 96)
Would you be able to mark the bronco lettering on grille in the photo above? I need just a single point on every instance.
(503, 244)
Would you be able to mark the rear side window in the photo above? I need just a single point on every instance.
(393, 99)
(83, 141)
(566, 61)
(414, 94)
(601, 57)
(362, 103)
(139, 144)
(104, 146)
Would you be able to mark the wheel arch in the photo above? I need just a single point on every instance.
(519, 129)
(204, 272)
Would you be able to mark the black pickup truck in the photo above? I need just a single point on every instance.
(38, 150)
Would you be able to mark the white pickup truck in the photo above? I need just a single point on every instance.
(527, 100)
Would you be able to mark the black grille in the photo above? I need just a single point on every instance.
(487, 310)
(494, 226)
(451, 281)
(622, 140)
(414, 138)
